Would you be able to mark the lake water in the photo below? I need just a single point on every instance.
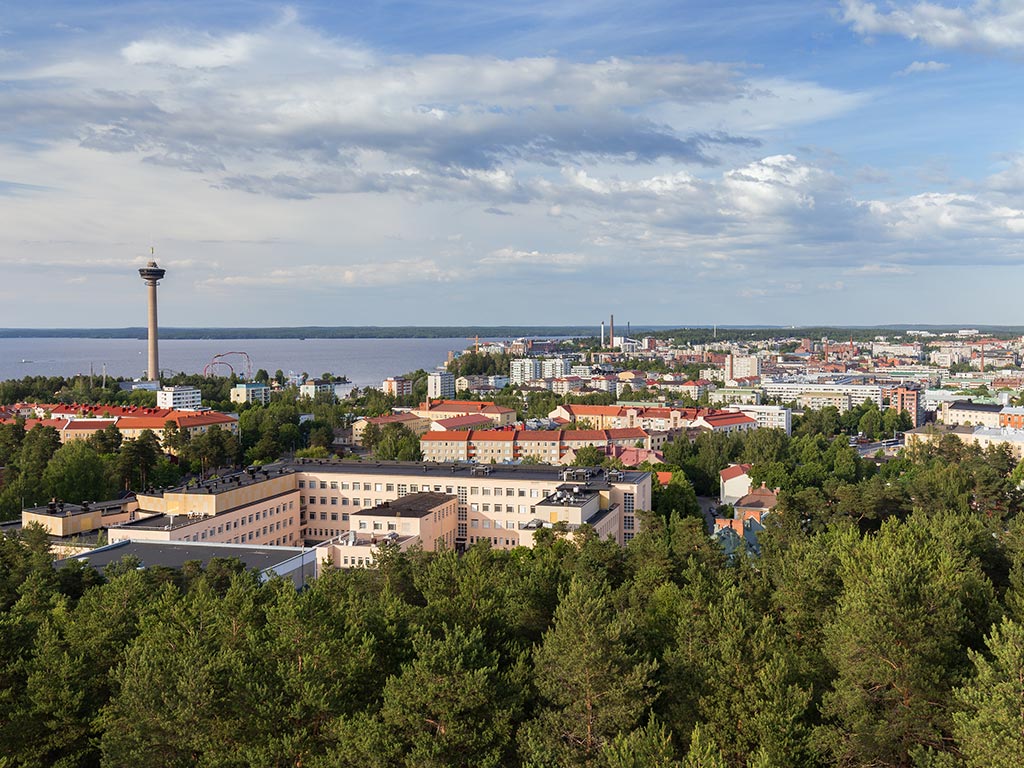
(366, 362)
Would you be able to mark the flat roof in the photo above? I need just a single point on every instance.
(62, 509)
(227, 482)
(436, 471)
(175, 554)
(413, 505)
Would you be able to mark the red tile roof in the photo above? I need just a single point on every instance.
(735, 470)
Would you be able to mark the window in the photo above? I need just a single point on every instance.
(486, 491)
(378, 487)
(344, 486)
(487, 523)
(628, 522)
(474, 491)
(522, 491)
(497, 491)
(510, 491)
(474, 507)
(334, 485)
(302, 483)
(392, 527)
(323, 499)
(390, 487)
(474, 523)
(362, 525)
(414, 488)
(487, 507)
(377, 526)
(534, 493)
(628, 500)
(334, 500)
(323, 484)
(344, 516)
(344, 502)
(302, 500)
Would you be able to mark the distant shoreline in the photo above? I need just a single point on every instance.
(444, 332)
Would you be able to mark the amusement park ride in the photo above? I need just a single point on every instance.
(217, 360)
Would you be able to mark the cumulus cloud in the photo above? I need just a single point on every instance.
(289, 112)
(982, 24)
(917, 67)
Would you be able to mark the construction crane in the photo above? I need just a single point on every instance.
(476, 340)
(216, 360)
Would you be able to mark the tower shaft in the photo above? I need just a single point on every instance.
(154, 356)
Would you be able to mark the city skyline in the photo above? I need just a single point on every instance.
(842, 163)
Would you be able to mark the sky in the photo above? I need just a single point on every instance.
(455, 162)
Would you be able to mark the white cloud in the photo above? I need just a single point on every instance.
(982, 24)
(508, 257)
(327, 277)
(878, 269)
(917, 67)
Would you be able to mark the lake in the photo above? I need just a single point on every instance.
(366, 362)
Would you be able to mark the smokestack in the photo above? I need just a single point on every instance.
(151, 274)
(602, 334)
(611, 333)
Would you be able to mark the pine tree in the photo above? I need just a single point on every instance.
(590, 685)
(990, 724)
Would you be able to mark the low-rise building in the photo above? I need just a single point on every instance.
(416, 424)
(733, 483)
(499, 415)
(968, 413)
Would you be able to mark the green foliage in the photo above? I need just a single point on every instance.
(990, 724)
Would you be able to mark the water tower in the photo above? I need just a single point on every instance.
(151, 274)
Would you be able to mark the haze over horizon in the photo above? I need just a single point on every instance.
(448, 163)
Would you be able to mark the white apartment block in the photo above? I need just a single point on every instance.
(440, 385)
(181, 398)
(554, 368)
(313, 387)
(742, 367)
(523, 370)
(768, 416)
(788, 392)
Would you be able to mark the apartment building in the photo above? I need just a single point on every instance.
(742, 367)
(440, 384)
(653, 419)
(315, 387)
(523, 370)
(768, 416)
(396, 386)
(417, 424)
(180, 398)
(508, 446)
(790, 391)
(909, 399)
(250, 392)
(446, 409)
(815, 401)
(554, 368)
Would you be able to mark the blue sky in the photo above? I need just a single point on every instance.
(844, 162)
